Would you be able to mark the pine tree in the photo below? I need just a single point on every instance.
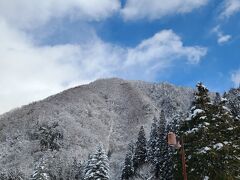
(233, 139)
(196, 139)
(217, 99)
(174, 124)
(202, 98)
(128, 169)
(152, 143)
(49, 136)
(233, 97)
(97, 166)
(140, 154)
(41, 171)
(207, 136)
(161, 153)
(224, 139)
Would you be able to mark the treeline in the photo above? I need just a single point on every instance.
(96, 167)
(152, 159)
(51, 163)
(211, 139)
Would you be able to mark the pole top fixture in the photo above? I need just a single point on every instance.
(172, 140)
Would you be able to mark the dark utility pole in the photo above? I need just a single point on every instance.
(172, 141)
(184, 169)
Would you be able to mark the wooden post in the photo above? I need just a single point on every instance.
(184, 170)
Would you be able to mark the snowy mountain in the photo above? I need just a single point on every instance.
(107, 111)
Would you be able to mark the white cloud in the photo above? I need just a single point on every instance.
(163, 48)
(236, 78)
(222, 38)
(31, 72)
(156, 9)
(158, 53)
(31, 13)
(229, 8)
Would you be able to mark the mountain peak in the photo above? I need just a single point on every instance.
(109, 111)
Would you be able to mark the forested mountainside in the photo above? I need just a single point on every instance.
(113, 129)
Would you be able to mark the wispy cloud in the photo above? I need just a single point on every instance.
(222, 38)
(156, 9)
(236, 78)
(229, 8)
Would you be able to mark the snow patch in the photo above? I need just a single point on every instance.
(225, 142)
(205, 149)
(203, 117)
(206, 178)
(223, 99)
(188, 118)
(225, 108)
(206, 123)
(218, 146)
(196, 112)
(192, 130)
(193, 108)
(235, 146)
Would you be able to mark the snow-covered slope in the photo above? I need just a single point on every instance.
(109, 111)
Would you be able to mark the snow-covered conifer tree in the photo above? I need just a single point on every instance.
(210, 139)
(161, 153)
(233, 97)
(224, 142)
(97, 167)
(49, 136)
(195, 131)
(140, 154)
(174, 124)
(41, 171)
(217, 99)
(152, 141)
(128, 169)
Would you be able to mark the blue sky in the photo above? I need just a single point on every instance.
(57, 44)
